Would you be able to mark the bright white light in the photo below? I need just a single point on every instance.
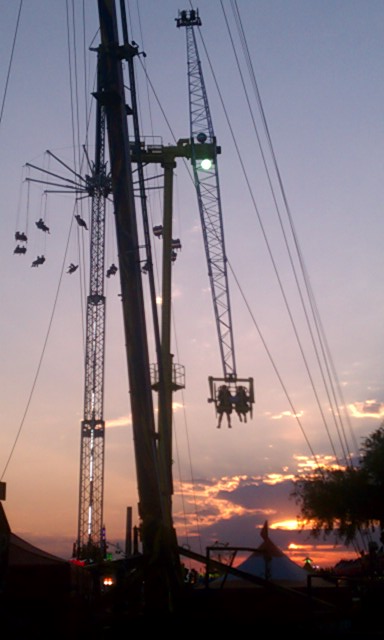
(206, 164)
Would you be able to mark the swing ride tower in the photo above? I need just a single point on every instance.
(90, 543)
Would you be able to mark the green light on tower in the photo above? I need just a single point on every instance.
(206, 164)
(202, 149)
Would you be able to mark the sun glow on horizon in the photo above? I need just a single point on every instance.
(288, 525)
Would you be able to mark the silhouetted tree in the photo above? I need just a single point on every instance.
(346, 501)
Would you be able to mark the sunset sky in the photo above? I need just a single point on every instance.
(318, 68)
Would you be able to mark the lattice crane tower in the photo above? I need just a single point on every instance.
(206, 178)
(90, 542)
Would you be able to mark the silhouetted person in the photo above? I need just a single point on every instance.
(112, 270)
(39, 260)
(241, 403)
(20, 249)
(81, 222)
(224, 404)
(19, 235)
(72, 268)
(40, 224)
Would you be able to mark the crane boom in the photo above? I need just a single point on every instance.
(206, 178)
(161, 582)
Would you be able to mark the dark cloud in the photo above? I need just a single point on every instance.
(244, 531)
(234, 516)
(254, 494)
(201, 483)
(235, 531)
(372, 407)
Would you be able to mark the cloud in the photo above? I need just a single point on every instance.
(121, 421)
(285, 414)
(367, 409)
(231, 510)
(226, 499)
(306, 464)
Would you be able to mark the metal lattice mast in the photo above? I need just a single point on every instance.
(208, 194)
(90, 541)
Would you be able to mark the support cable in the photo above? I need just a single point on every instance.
(315, 314)
(10, 63)
(40, 362)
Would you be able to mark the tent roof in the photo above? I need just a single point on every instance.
(271, 563)
(22, 553)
